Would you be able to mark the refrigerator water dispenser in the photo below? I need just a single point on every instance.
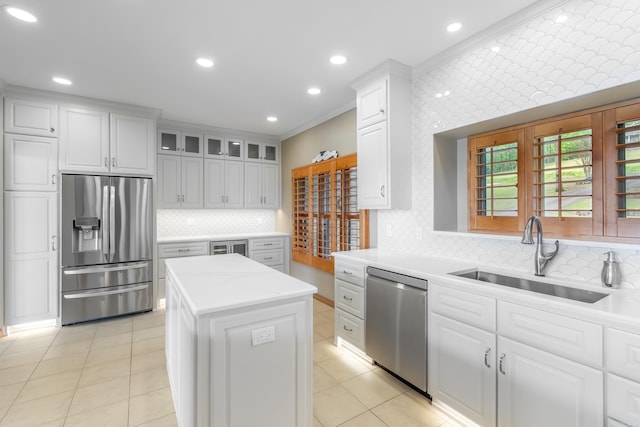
(86, 236)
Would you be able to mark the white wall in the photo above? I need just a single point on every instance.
(540, 62)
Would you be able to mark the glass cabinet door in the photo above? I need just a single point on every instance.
(213, 146)
(270, 153)
(191, 145)
(168, 142)
(234, 148)
(253, 151)
(261, 152)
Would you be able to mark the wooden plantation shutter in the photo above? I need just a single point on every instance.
(324, 213)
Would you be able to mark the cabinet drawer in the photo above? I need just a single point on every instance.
(266, 243)
(623, 401)
(269, 257)
(349, 271)
(466, 307)
(576, 339)
(350, 328)
(623, 353)
(350, 298)
(175, 250)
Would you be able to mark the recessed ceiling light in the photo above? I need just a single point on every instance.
(204, 62)
(495, 49)
(453, 27)
(20, 14)
(338, 59)
(272, 119)
(314, 91)
(61, 81)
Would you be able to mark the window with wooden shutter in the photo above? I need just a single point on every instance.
(495, 196)
(325, 215)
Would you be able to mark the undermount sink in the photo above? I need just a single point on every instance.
(575, 294)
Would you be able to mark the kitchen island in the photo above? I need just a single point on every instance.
(239, 343)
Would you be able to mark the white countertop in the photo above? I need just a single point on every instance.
(223, 282)
(621, 309)
(220, 237)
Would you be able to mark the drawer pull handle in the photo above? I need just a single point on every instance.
(347, 329)
(348, 273)
(267, 244)
(268, 257)
(501, 367)
(486, 357)
(184, 250)
(347, 298)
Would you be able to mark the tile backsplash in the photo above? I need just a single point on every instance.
(539, 62)
(198, 222)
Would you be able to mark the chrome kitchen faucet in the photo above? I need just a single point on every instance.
(540, 258)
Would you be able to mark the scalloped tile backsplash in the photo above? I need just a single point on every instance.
(198, 222)
(539, 62)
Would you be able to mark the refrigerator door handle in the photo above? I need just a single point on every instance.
(112, 222)
(105, 225)
(100, 269)
(103, 293)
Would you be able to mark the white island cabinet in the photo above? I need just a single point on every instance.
(239, 343)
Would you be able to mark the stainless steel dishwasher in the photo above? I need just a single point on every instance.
(396, 324)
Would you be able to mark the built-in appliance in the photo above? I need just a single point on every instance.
(106, 247)
(229, 247)
(396, 324)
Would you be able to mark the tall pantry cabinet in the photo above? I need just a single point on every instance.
(31, 210)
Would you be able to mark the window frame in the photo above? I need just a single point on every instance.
(604, 223)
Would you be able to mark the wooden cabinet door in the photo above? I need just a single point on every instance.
(191, 181)
(30, 163)
(84, 140)
(462, 373)
(234, 184)
(373, 188)
(536, 388)
(132, 145)
(169, 175)
(372, 104)
(31, 259)
(214, 183)
(28, 117)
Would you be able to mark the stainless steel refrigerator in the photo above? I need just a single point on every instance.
(106, 247)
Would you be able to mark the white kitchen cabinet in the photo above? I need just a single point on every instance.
(179, 143)
(223, 184)
(271, 251)
(372, 104)
(217, 147)
(462, 370)
(623, 377)
(537, 388)
(95, 141)
(180, 182)
(30, 117)
(176, 250)
(383, 102)
(480, 348)
(84, 140)
(131, 143)
(262, 152)
(31, 259)
(30, 163)
(349, 302)
(261, 186)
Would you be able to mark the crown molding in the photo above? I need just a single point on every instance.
(328, 116)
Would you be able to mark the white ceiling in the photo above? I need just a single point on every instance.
(266, 53)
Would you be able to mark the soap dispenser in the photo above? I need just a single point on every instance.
(611, 271)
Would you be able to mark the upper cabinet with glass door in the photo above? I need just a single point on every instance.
(217, 147)
(180, 143)
(262, 152)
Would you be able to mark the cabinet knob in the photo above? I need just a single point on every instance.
(486, 357)
(53, 179)
(382, 190)
(53, 243)
(52, 130)
(106, 162)
(114, 163)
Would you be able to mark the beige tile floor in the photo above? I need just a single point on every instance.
(112, 373)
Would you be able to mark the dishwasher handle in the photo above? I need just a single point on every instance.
(397, 278)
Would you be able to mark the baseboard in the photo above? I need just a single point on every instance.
(323, 300)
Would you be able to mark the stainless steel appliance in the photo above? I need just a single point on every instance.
(396, 324)
(106, 247)
(229, 247)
